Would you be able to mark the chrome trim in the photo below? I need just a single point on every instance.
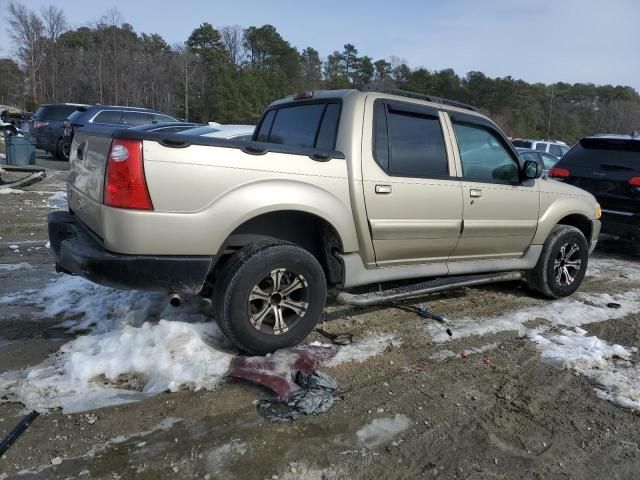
(618, 212)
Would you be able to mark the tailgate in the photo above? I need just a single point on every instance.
(88, 159)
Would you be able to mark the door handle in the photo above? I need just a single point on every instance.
(383, 189)
(475, 193)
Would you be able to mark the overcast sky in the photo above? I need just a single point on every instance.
(536, 40)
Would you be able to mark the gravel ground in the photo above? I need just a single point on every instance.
(417, 409)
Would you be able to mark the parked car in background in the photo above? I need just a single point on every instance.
(553, 147)
(547, 159)
(230, 132)
(105, 119)
(608, 166)
(47, 126)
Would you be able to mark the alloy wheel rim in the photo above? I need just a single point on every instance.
(278, 301)
(567, 264)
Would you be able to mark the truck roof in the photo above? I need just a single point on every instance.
(400, 95)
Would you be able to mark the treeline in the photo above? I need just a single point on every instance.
(229, 74)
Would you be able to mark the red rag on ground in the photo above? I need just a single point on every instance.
(277, 372)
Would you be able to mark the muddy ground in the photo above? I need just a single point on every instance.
(512, 416)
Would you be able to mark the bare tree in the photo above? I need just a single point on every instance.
(188, 64)
(55, 24)
(231, 36)
(27, 31)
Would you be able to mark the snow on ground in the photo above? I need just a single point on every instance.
(609, 268)
(7, 191)
(58, 201)
(128, 355)
(382, 430)
(607, 365)
(574, 311)
(10, 267)
(362, 349)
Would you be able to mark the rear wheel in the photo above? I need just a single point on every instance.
(62, 150)
(562, 264)
(270, 295)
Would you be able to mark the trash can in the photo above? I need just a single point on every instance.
(20, 150)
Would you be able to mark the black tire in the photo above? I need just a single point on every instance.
(544, 277)
(250, 272)
(62, 150)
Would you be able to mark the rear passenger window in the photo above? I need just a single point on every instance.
(162, 118)
(541, 147)
(135, 118)
(59, 112)
(313, 125)
(108, 117)
(411, 144)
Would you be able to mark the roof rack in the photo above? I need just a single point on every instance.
(417, 95)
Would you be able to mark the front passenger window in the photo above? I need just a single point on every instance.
(483, 156)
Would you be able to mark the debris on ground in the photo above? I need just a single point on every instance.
(382, 430)
(340, 339)
(16, 432)
(613, 305)
(424, 311)
(291, 375)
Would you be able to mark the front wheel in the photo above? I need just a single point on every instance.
(269, 295)
(562, 264)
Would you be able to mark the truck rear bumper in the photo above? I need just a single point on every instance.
(78, 252)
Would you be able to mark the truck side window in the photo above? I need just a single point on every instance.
(108, 117)
(297, 126)
(329, 128)
(415, 143)
(482, 154)
(265, 126)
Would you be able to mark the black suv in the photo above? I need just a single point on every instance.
(608, 166)
(47, 126)
(105, 119)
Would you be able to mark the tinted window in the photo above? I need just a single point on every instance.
(162, 118)
(555, 150)
(296, 126)
(306, 125)
(521, 143)
(593, 152)
(135, 118)
(541, 147)
(328, 129)
(40, 112)
(482, 154)
(75, 115)
(265, 126)
(109, 117)
(58, 112)
(380, 136)
(416, 145)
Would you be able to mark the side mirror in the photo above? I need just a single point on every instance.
(531, 170)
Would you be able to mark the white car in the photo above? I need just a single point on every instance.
(216, 130)
(553, 147)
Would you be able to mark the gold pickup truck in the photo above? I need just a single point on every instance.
(336, 189)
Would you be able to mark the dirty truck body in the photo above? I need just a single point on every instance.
(337, 189)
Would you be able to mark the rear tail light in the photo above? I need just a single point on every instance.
(40, 124)
(635, 181)
(559, 172)
(125, 185)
